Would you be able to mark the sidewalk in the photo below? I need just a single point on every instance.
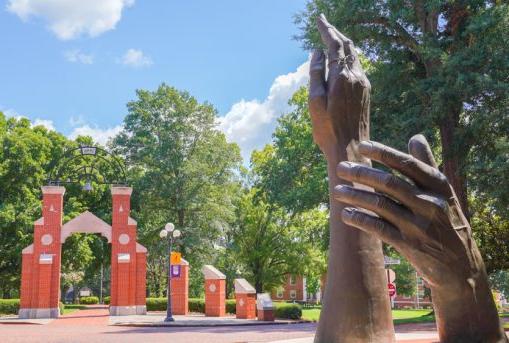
(156, 319)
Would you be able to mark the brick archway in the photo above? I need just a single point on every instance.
(40, 276)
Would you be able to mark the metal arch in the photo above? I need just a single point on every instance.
(61, 167)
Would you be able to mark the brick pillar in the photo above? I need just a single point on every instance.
(180, 290)
(215, 292)
(141, 279)
(40, 284)
(123, 254)
(245, 296)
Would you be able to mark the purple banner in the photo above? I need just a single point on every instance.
(175, 271)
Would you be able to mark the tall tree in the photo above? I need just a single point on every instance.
(443, 69)
(270, 244)
(183, 169)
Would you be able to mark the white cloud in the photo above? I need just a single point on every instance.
(136, 58)
(250, 123)
(10, 113)
(44, 122)
(68, 19)
(101, 136)
(77, 56)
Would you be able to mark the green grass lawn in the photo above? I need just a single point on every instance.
(399, 316)
(70, 308)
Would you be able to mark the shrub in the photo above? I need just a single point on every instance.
(156, 304)
(61, 307)
(106, 300)
(9, 306)
(231, 306)
(288, 311)
(197, 305)
(89, 300)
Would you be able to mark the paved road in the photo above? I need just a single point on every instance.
(91, 326)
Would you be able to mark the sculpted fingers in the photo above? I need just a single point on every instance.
(372, 225)
(332, 41)
(421, 173)
(419, 148)
(317, 85)
(378, 203)
(384, 182)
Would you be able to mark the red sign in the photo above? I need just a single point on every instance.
(392, 289)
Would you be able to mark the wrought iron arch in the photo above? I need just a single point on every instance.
(87, 164)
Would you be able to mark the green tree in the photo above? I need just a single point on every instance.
(292, 171)
(441, 68)
(183, 171)
(27, 155)
(269, 243)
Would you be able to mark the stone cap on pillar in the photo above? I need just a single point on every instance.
(264, 302)
(211, 273)
(28, 250)
(140, 248)
(243, 287)
(53, 190)
(120, 190)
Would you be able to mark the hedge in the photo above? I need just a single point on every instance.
(288, 311)
(196, 305)
(89, 300)
(106, 300)
(9, 306)
(231, 306)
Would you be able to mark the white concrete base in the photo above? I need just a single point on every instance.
(128, 310)
(38, 313)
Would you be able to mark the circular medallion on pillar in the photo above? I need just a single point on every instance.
(46, 239)
(212, 288)
(123, 239)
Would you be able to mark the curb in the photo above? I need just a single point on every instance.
(189, 325)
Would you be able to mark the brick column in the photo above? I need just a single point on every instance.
(40, 285)
(123, 254)
(215, 292)
(141, 279)
(245, 296)
(180, 290)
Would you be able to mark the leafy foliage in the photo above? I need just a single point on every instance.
(183, 171)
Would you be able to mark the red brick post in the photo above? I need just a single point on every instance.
(215, 292)
(245, 296)
(40, 275)
(127, 273)
(180, 290)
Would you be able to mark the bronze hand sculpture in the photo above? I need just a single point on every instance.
(355, 306)
(422, 219)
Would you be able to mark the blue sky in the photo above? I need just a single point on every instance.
(74, 64)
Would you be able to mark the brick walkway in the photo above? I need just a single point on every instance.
(91, 326)
(92, 315)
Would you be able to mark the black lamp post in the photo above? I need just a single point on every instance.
(170, 233)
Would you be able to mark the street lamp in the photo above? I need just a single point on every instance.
(170, 233)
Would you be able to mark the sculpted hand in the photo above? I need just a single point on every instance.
(339, 105)
(420, 216)
(355, 308)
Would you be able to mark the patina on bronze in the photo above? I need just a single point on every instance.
(356, 307)
(420, 216)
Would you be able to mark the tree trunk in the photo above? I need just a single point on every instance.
(453, 158)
